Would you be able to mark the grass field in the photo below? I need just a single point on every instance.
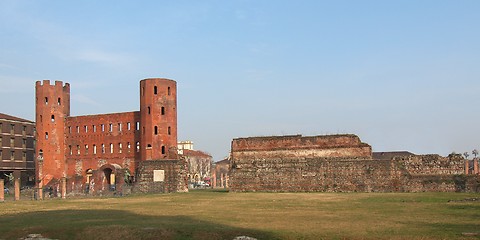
(223, 215)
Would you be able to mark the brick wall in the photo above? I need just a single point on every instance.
(272, 165)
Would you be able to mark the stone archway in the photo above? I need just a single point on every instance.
(109, 175)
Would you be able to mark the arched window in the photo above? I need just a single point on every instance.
(46, 135)
(138, 146)
(148, 110)
(169, 131)
(156, 130)
(59, 101)
(46, 100)
(163, 110)
(163, 149)
(53, 118)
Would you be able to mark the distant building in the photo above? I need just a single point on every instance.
(17, 149)
(188, 145)
(199, 164)
(220, 175)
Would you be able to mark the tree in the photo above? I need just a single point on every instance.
(475, 153)
(466, 155)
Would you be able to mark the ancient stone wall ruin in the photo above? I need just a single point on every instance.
(257, 168)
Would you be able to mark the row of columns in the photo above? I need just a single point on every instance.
(476, 170)
(39, 190)
(223, 179)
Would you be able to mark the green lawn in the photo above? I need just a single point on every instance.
(223, 215)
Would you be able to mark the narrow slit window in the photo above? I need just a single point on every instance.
(103, 148)
(163, 110)
(156, 130)
(128, 146)
(78, 149)
(103, 127)
(138, 126)
(155, 90)
(110, 127)
(46, 135)
(120, 127)
(85, 128)
(78, 129)
(111, 147)
(128, 126)
(169, 131)
(163, 149)
(70, 151)
(138, 146)
(53, 118)
(59, 101)
(86, 149)
(94, 128)
(148, 110)
(46, 100)
(168, 91)
(94, 149)
(120, 148)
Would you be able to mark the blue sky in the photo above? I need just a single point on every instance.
(403, 75)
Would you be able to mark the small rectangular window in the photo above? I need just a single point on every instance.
(128, 126)
(94, 149)
(69, 129)
(94, 128)
(78, 129)
(12, 155)
(70, 149)
(78, 149)
(110, 128)
(86, 149)
(138, 126)
(103, 148)
(120, 148)
(103, 127)
(86, 128)
(120, 127)
(111, 147)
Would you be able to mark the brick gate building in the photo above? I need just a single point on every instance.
(98, 153)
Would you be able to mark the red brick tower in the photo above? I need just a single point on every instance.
(52, 107)
(158, 119)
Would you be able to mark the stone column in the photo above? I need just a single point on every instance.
(16, 176)
(466, 167)
(2, 191)
(64, 187)
(475, 166)
(221, 180)
(214, 176)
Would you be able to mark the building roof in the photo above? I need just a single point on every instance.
(12, 118)
(195, 153)
(224, 161)
(390, 155)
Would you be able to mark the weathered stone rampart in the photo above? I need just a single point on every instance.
(258, 168)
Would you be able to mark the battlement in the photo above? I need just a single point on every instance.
(47, 83)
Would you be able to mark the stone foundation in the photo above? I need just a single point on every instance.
(149, 176)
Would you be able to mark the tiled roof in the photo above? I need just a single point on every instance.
(12, 118)
(195, 153)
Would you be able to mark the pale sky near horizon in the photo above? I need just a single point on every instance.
(402, 75)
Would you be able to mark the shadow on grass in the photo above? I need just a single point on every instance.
(116, 224)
